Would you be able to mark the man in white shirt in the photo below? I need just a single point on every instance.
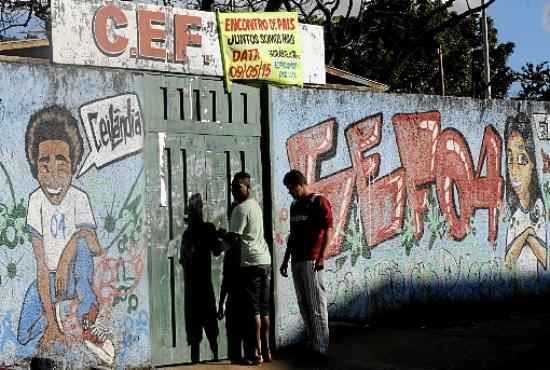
(247, 222)
(62, 227)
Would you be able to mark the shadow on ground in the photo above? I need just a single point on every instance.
(447, 335)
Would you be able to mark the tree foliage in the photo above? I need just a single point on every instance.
(535, 81)
(397, 42)
(392, 41)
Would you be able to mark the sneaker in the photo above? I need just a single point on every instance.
(97, 339)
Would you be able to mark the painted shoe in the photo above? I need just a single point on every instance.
(97, 339)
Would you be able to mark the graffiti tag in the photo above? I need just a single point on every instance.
(429, 157)
(114, 129)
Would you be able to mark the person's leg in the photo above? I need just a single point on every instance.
(265, 338)
(300, 287)
(195, 352)
(211, 324)
(32, 321)
(258, 339)
(265, 294)
(316, 302)
(255, 278)
(233, 329)
(320, 313)
(97, 337)
(81, 274)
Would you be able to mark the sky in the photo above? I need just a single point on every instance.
(526, 23)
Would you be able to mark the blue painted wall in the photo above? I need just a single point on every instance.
(380, 156)
(103, 314)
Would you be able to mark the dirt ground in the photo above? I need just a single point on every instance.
(485, 337)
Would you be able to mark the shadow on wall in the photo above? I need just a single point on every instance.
(439, 303)
(431, 309)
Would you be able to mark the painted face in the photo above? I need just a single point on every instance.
(240, 190)
(54, 169)
(520, 167)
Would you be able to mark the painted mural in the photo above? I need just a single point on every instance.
(72, 259)
(433, 198)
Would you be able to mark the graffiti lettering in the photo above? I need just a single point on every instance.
(118, 278)
(114, 129)
(447, 164)
(151, 33)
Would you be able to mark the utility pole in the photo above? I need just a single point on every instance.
(441, 71)
(486, 65)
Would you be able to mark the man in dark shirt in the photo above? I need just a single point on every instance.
(310, 235)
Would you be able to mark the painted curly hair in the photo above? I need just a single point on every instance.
(53, 123)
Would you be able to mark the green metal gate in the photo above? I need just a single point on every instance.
(198, 137)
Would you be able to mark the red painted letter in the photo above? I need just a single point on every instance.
(416, 136)
(454, 169)
(489, 189)
(183, 24)
(100, 30)
(382, 201)
(147, 34)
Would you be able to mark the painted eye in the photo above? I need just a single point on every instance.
(510, 158)
(523, 159)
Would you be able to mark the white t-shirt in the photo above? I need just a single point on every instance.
(527, 261)
(56, 224)
(247, 221)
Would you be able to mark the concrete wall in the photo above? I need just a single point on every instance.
(71, 188)
(424, 206)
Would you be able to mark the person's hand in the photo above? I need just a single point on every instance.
(221, 312)
(320, 264)
(220, 233)
(530, 231)
(62, 284)
(284, 269)
(51, 337)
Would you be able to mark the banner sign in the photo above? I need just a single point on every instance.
(135, 36)
(261, 46)
(123, 34)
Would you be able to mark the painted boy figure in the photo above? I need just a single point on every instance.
(62, 226)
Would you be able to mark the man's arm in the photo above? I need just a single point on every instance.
(43, 281)
(284, 266)
(91, 239)
(223, 295)
(327, 220)
(320, 263)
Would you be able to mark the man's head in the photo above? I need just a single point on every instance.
(196, 208)
(54, 147)
(240, 187)
(296, 184)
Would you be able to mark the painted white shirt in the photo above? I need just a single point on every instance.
(527, 261)
(56, 224)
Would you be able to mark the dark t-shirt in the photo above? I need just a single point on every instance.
(309, 219)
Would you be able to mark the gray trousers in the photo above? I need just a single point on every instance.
(312, 300)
